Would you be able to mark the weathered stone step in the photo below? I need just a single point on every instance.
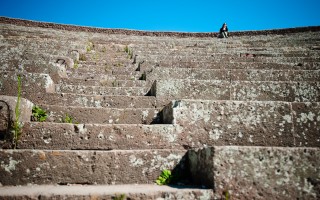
(30, 83)
(232, 65)
(83, 115)
(237, 90)
(135, 191)
(247, 123)
(203, 52)
(25, 167)
(98, 101)
(107, 63)
(104, 82)
(110, 70)
(232, 74)
(102, 90)
(98, 76)
(228, 58)
(258, 172)
(45, 135)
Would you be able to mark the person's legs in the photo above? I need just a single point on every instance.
(225, 34)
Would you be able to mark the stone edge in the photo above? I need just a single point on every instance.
(30, 23)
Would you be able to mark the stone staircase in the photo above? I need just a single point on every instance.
(233, 119)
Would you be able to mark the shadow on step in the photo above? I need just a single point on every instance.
(182, 175)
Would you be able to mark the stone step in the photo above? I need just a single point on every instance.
(76, 191)
(232, 74)
(247, 123)
(107, 63)
(205, 51)
(257, 172)
(45, 135)
(98, 76)
(105, 69)
(31, 83)
(237, 90)
(249, 58)
(145, 49)
(102, 90)
(62, 167)
(97, 101)
(55, 71)
(232, 65)
(104, 82)
(83, 115)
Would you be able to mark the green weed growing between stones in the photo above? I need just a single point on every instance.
(129, 52)
(165, 177)
(89, 46)
(82, 57)
(75, 66)
(68, 119)
(39, 114)
(16, 124)
(226, 195)
(120, 197)
(126, 49)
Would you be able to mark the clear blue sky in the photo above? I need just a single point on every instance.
(169, 15)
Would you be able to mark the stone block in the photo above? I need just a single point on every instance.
(91, 192)
(275, 91)
(31, 83)
(306, 119)
(28, 167)
(67, 136)
(90, 115)
(232, 122)
(191, 89)
(258, 172)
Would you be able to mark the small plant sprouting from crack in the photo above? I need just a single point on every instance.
(126, 49)
(89, 46)
(226, 195)
(39, 114)
(16, 124)
(165, 177)
(120, 197)
(82, 57)
(68, 119)
(129, 52)
(114, 83)
(76, 64)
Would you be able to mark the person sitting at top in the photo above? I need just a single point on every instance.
(223, 31)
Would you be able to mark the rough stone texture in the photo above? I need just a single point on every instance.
(11, 101)
(98, 136)
(21, 167)
(97, 101)
(275, 75)
(89, 115)
(233, 123)
(258, 172)
(237, 90)
(233, 74)
(186, 73)
(31, 83)
(191, 89)
(98, 90)
(275, 91)
(306, 117)
(100, 192)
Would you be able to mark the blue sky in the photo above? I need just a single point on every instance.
(169, 15)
